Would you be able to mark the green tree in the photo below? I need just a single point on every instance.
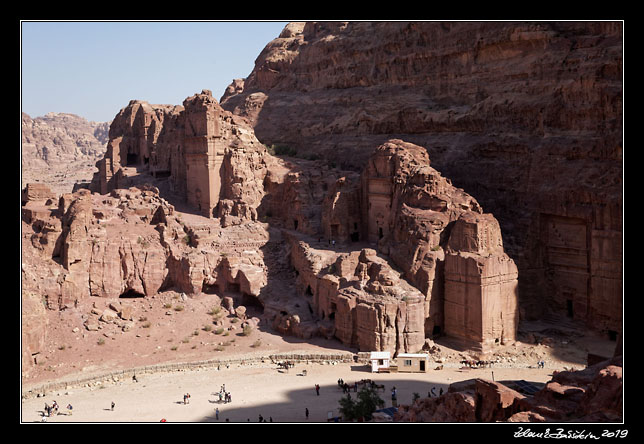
(368, 402)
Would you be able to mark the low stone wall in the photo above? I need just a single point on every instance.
(119, 375)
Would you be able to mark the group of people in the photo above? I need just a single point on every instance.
(53, 409)
(541, 364)
(224, 396)
(186, 398)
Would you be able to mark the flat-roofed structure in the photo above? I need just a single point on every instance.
(412, 362)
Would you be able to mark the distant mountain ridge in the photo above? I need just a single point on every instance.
(61, 149)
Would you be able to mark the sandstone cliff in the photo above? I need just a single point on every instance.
(525, 116)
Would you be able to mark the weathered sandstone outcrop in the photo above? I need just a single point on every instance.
(525, 116)
(590, 395)
(211, 156)
(438, 235)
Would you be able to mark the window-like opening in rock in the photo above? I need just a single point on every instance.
(569, 311)
(233, 287)
(436, 331)
(612, 335)
(209, 288)
(355, 225)
(146, 160)
(332, 316)
(380, 234)
(283, 313)
(131, 294)
(295, 223)
(251, 301)
(132, 159)
(309, 291)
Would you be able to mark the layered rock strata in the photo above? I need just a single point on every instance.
(527, 116)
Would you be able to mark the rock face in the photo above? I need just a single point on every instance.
(526, 116)
(59, 150)
(590, 395)
(211, 156)
(456, 277)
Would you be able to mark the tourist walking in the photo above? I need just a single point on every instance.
(113, 405)
(306, 412)
(317, 389)
(69, 409)
(217, 413)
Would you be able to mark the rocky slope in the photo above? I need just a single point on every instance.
(525, 116)
(592, 395)
(61, 149)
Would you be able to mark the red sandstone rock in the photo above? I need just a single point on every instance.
(590, 395)
(525, 116)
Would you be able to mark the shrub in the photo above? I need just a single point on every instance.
(100, 341)
(207, 327)
(214, 311)
(247, 330)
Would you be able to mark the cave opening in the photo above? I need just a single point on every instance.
(210, 288)
(250, 301)
(130, 294)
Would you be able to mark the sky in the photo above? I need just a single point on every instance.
(93, 69)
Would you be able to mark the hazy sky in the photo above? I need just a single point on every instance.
(93, 69)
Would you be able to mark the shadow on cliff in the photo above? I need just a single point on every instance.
(280, 297)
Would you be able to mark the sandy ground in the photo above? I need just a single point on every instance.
(258, 389)
(169, 336)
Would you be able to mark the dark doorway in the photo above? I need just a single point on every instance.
(309, 291)
(355, 237)
(210, 289)
(612, 335)
(422, 366)
(380, 234)
(436, 331)
(569, 310)
(295, 224)
(132, 159)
